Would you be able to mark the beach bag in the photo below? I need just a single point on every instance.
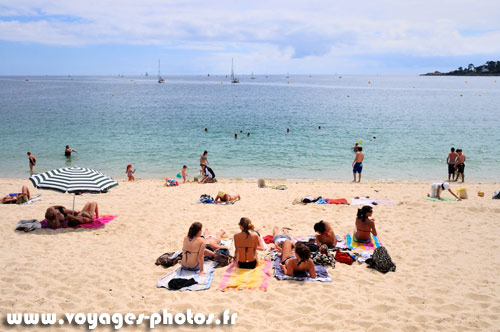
(206, 198)
(223, 257)
(381, 261)
(169, 259)
(343, 257)
(496, 196)
(313, 247)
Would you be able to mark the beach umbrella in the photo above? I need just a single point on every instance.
(73, 180)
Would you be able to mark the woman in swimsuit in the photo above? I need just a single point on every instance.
(222, 197)
(13, 199)
(298, 263)
(203, 162)
(212, 242)
(193, 249)
(364, 225)
(246, 245)
(68, 150)
(325, 235)
(85, 216)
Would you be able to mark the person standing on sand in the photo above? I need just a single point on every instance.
(452, 157)
(357, 164)
(67, 151)
(460, 164)
(32, 160)
(203, 162)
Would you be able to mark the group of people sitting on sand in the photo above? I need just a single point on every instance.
(295, 256)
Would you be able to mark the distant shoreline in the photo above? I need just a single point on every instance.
(463, 74)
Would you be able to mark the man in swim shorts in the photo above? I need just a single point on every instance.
(452, 157)
(357, 164)
(460, 164)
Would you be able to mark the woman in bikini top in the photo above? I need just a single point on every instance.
(193, 249)
(246, 245)
(297, 264)
(364, 225)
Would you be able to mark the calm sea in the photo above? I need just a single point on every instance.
(114, 121)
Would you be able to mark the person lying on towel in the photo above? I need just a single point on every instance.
(222, 197)
(298, 263)
(23, 196)
(364, 225)
(58, 216)
(246, 244)
(325, 234)
(212, 242)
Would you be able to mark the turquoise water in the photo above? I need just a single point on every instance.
(113, 121)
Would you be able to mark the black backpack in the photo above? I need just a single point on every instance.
(496, 196)
(381, 261)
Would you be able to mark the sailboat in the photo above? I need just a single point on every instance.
(252, 77)
(287, 75)
(233, 79)
(160, 79)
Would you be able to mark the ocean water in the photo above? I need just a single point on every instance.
(114, 121)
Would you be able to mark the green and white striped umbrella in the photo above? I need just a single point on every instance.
(73, 180)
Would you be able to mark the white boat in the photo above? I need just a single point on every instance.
(252, 77)
(233, 78)
(287, 75)
(160, 79)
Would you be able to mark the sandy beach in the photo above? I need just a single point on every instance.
(445, 252)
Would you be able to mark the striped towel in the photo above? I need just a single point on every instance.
(204, 281)
(321, 273)
(372, 245)
(238, 279)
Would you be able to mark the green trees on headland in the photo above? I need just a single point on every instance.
(489, 68)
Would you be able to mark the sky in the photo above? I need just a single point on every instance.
(49, 37)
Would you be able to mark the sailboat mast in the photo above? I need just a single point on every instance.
(232, 69)
(158, 68)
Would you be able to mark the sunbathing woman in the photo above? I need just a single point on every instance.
(326, 234)
(212, 242)
(279, 238)
(193, 248)
(298, 264)
(364, 225)
(13, 199)
(85, 216)
(246, 245)
(222, 197)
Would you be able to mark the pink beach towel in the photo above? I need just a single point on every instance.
(97, 223)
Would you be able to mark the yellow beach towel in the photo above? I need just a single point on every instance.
(239, 279)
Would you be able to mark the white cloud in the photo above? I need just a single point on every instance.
(261, 31)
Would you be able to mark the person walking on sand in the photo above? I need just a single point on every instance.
(67, 151)
(357, 164)
(452, 157)
(460, 164)
(32, 160)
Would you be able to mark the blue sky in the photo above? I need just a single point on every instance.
(48, 37)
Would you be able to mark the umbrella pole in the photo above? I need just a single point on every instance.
(74, 195)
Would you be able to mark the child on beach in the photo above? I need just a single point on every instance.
(130, 172)
(184, 173)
